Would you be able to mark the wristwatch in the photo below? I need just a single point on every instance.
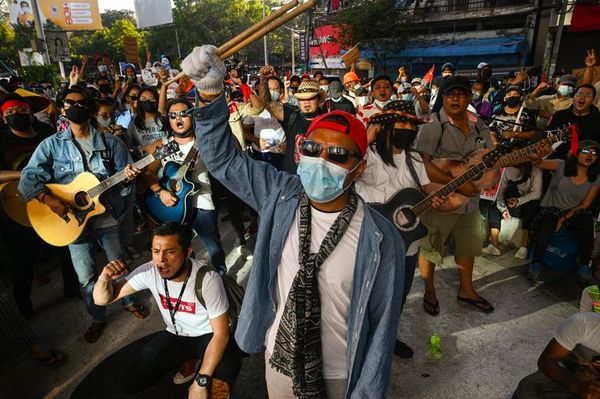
(203, 380)
(157, 192)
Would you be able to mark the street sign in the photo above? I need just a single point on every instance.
(58, 46)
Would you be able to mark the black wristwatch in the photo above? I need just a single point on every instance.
(157, 192)
(203, 380)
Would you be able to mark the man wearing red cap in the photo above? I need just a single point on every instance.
(325, 292)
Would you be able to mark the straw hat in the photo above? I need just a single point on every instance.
(309, 89)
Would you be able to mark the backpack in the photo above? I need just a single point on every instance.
(235, 295)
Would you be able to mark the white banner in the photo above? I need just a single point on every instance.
(58, 46)
(153, 12)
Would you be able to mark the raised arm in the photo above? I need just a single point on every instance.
(106, 290)
(590, 63)
(274, 107)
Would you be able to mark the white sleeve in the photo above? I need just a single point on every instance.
(140, 278)
(420, 168)
(214, 295)
(586, 304)
(571, 331)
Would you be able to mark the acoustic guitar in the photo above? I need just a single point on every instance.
(12, 204)
(491, 177)
(82, 196)
(175, 179)
(405, 208)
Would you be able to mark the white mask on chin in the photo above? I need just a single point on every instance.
(381, 104)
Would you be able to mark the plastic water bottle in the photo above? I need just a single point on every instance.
(435, 348)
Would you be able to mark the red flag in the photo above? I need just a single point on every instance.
(585, 18)
(428, 78)
(574, 140)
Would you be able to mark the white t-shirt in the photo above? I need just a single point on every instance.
(267, 127)
(192, 319)
(580, 334)
(203, 197)
(335, 286)
(380, 182)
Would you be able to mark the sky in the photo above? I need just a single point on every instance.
(115, 5)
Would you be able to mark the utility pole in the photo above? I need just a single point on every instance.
(266, 50)
(293, 54)
(557, 38)
(40, 29)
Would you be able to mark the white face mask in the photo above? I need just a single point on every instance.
(324, 88)
(381, 104)
(103, 122)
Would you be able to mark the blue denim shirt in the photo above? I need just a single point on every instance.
(58, 160)
(376, 301)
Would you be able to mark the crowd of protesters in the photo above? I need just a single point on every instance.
(298, 161)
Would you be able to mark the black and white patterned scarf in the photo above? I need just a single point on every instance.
(297, 351)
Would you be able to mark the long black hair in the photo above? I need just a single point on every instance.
(384, 147)
(140, 117)
(571, 168)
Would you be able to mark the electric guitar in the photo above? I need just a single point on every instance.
(82, 196)
(405, 208)
(12, 204)
(176, 180)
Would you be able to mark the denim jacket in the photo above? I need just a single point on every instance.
(376, 298)
(58, 160)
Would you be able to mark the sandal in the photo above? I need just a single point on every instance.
(53, 360)
(433, 308)
(138, 310)
(94, 331)
(480, 304)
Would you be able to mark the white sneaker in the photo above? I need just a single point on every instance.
(521, 253)
(491, 250)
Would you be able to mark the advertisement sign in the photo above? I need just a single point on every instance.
(153, 12)
(58, 46)
(326, 49)
(71, 15)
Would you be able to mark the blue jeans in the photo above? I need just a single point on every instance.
(83, 255)
(206, 226)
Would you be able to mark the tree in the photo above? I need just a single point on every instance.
(109, 17)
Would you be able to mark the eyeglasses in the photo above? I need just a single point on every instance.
(457, 93)
(180, 114)
(133, 98)
(335, 153)
(587, 151)
(71, 103)
(584, 95)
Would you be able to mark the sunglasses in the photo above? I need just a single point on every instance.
(71, 103)
(587, 151)
(335, 153)
(133, 98)
(180, 114)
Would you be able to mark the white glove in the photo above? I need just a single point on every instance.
(205, 69)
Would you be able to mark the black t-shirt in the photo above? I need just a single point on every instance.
(15, 151)
(295, 126)
(587, 126)
(343, 105)
(500, 126)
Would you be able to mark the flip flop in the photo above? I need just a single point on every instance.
(480, 304)
(433, 308)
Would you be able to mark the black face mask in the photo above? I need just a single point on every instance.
(77, 114)
(19, 122)
(311, 115)
(513, 101)
(104, 89)
(185, 134)
(404, 138)
(148, 106)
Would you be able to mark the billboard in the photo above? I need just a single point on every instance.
(68, 15)
(58, 46)
(153, 12)
(325, 48)
(20, 13)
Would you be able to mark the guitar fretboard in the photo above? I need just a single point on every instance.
(118, 177)
(473, 171)
(189, 158)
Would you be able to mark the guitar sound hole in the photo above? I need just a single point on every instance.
(404, 218)
(173, 186)
(82, 200)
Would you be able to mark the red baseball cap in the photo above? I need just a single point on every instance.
(356, 130)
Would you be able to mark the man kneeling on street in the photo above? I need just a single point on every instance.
(193, 331)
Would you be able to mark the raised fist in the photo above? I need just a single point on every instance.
(113, 270)
(205, 69)
(266, 72)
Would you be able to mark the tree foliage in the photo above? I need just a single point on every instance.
(370, 21)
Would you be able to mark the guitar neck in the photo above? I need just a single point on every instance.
(119, 177)
(523, 152)
(187, 162)
(449, 188)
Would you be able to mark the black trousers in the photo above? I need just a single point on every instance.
(234, 205)
(582, 226)
(167, 351)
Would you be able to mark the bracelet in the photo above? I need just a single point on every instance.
(157, 192)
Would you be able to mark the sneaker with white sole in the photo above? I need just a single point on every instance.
(179, 378)
(521, 253)
(491, 250)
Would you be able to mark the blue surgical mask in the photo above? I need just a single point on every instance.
(322, 180)
(565, 90)
(274, 95)
(408, 97)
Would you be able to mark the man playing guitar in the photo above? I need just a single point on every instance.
(454, 133)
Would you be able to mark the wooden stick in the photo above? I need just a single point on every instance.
(246, 40)
(245, 34)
